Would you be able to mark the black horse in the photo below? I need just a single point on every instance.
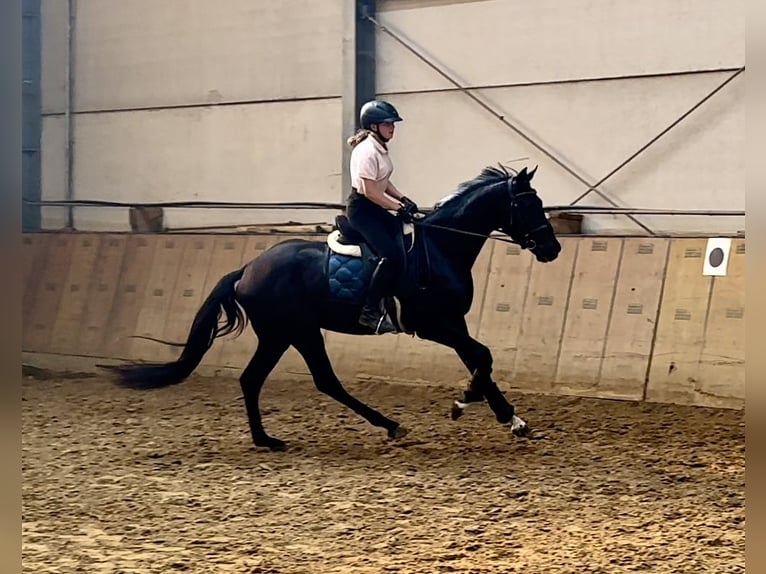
(284, 293)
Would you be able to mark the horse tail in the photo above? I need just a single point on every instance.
(204, 330)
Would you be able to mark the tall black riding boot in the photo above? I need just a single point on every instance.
(373, 316)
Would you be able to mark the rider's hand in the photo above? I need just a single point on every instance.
(409, 205)
(409, 209)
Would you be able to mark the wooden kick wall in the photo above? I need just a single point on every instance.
(629, 318)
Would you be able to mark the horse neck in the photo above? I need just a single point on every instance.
(480, 215)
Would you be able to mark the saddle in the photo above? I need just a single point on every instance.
(351, 262)
(345, 240)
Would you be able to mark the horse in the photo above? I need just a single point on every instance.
(284, 295)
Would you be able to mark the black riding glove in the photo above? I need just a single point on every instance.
(409, 205)
(408, 210)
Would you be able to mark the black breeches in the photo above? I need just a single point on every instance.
(381, 230)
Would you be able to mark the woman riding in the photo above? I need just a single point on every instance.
(372, 200)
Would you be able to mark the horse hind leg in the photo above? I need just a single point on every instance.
(311, 346)
(266, 357)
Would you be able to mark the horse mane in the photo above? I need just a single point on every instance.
(489, 175)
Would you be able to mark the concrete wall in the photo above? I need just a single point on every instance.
(240, 101)
(619, 318)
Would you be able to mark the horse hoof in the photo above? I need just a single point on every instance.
(521, 430)
(273, 444)
(456, 412)
(398, 432)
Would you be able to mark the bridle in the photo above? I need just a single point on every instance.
(526, 241)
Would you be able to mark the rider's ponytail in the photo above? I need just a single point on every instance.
(357, 138)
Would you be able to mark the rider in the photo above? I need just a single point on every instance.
(369, 208)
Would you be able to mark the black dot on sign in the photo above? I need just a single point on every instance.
(716, 257)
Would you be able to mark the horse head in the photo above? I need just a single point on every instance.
(528, 224)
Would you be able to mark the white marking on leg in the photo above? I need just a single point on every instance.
(461, 405)
(517, 423)
(398, 308)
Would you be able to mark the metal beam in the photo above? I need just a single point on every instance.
(69, 111)
(31, 129)
(358, 72)
(365, 53)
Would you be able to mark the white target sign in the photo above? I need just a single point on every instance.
(717, 256)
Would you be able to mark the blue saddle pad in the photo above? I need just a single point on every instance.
(349, 276)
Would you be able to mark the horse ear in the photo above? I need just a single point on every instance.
(523, 173)
(532, 173)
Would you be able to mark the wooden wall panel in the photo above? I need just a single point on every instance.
(721, 376)
(590, 305)
(102, 289)
(69, 321)
(34, 253)
(44, 306)
(542, 325)
(158, 292)
(501, 317)
(633, 318)
(34, 250)
(364, 356)
(681, 324)
(129, 298)
(672, 335)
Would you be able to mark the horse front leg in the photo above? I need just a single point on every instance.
(478, 360)
(504, 411)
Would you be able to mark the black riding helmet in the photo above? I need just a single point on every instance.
(377, 112)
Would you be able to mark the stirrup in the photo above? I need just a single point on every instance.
(385, 325)
(380, 324)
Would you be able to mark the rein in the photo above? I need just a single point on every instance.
(527, 241)
(460, 231)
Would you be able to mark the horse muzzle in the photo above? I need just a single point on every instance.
(546, 252)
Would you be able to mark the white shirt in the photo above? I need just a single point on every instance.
(370, 160)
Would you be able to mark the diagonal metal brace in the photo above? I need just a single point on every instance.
(502, 119)
(658, 136)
